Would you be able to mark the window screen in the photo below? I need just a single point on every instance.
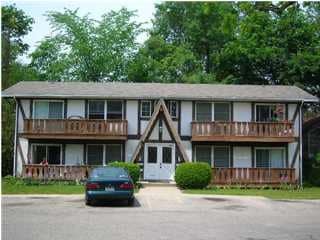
(222, 112)
(204, 111)
(113, 153)
(145, 108)
(48, 109)
(221, 156)
(39, 153)
(54, 153)
(203, 154)
(96, 110)
(262, 158)
(270, 113)
(95, 154)
(114, 110)
(51, 153)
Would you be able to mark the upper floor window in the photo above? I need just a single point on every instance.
(114, 109)
(203, 111)
(270, 157)
(48, 109)
(269, 112)
(222, 111)
(96, 109)
(173, 108)
(146, 108)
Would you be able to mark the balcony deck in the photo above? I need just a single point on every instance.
(75, 129)
(243, 131)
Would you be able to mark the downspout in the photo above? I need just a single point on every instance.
(300, 139)
(15, 141)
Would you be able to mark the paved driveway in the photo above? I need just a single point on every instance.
(160, 213)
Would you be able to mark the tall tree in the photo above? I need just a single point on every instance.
(83, 49)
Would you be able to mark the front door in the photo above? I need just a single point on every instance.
(159, 161)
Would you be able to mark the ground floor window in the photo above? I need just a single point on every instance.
(102, 154)
(217, 156)
(270, 157)
(49, 153)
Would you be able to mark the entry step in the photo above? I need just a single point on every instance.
(158, 183)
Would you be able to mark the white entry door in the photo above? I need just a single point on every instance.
(159, 161)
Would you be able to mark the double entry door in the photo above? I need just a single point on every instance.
(159, 161)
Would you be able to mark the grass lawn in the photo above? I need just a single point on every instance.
(306, 193)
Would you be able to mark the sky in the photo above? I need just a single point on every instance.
(41, 28)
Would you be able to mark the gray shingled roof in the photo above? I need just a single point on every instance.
(115, 90)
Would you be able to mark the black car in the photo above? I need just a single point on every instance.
(109, 183)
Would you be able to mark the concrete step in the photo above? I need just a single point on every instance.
(158, 183)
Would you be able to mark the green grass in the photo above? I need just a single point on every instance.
(306, 193)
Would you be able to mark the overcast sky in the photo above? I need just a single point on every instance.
(37, 8)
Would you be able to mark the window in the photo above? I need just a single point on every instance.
(114, 109)
(48, 109)
(95, 154)
(51, 153)
(113, 153)
(96, 109)
(270, 158)
(221, 156)
(146, 109)
(222, 112)
(269, 112)
(166, 155)
(203, 112)
(203, 154)
(152, 154)
(173, 108)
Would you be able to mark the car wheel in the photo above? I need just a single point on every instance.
(130, 201)
(88, 202)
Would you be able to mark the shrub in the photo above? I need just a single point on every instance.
(193, 175)
(132, 168)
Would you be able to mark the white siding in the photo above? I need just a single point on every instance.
(241, 157)
(132, 117)
(155, 132)
(131, 146)
(76, 108)
(143, 125)
(188, 148)
(24, 146)
(242, 111)
(186, 118)
(291, 111)
(74, 154)
(165, 131)
(25, 104)
(291, 150)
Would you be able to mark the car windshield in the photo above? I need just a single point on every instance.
(108, 173)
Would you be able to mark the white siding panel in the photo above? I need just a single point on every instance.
(24, 146)
(186, 118)
(25, 104)
(74, 154)
(291, 150)
(143, 126)
(165, 131)
(242, 111)
(241, 157)
(188, 148)
(132, 117)
(131, 146)
(291, 111)
(155, 132)
(76, 108)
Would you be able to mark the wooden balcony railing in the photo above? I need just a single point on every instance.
(243, 131)
(79, 128)
(253, 176)
(56, 172)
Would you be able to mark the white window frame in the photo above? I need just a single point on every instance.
(103, 152)
(196, 110)
(268, 104)
(46, 145)
(270, 148)
(150, 112)
(212, 153)
(46, 100)
(213, 108)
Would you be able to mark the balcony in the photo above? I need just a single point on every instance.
(243, 131)
(75, 129)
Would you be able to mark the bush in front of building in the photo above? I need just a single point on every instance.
(193, 175)
(132, 168)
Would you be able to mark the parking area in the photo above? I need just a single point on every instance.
(159, 213)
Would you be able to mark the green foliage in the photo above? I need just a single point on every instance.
(83, 49)
(132, 168)
(193, 175)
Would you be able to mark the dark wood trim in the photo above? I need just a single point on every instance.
(139, 119)
(65, 108)
(133, 137)
(185, 138)
(21, 154)
(160, 127)
(286, 111)
(193, 157)
(73, 141)
(29, 153)
(123, 149)
(31, 108)
(86, 108)
(231, 155)
(287, 155)
(124, 104)
(18, 102)
(85, 153)
(241, 144)
(253, 110)
(193, 110)
(179, 117)
(252, 156)
(231, 111)
(63, 160)
(159, 141)
(295, 155)
(296, 112)
(16, 141)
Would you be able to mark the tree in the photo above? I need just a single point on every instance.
(83, 49)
